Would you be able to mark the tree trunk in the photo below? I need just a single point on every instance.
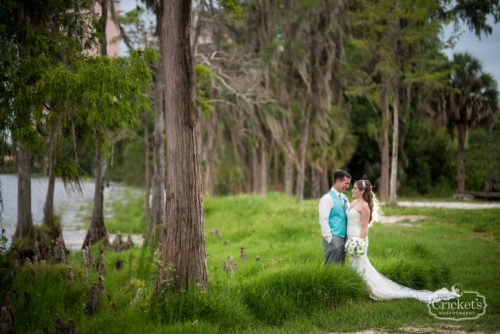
(325, 185)
(383, 186)
(184, 227)
(316, 182)
(395, 140)
(288, 174)
(255, 170)
(147, 174)
(97, 230)
(211, 145)
(48, 209)
(104, 22)
(158, 203)
(264, 168)
(24, 218)
(241, 163)
(462, 132)
(276, 167)
(301, 161)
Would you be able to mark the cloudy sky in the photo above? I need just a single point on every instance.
(486, 49)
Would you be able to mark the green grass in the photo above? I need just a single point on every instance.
(484, 222)
(288, 289)
(127, 216)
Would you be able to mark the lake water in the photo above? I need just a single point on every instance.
(62, 198)
(73, 207)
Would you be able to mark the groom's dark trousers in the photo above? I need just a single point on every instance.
(334, 251)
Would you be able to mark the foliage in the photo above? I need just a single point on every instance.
(472, 95)
(126, 157)
(483, 157)
(114, 90)
(97, 96)
(429, 166)
(473, 15)
(36, 36)
(227, 176)
(366, 123)
(203, 77)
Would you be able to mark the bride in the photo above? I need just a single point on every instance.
(359, 216)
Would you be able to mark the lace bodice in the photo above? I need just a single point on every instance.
(353, 224)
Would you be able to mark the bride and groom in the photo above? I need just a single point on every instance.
(341, 220)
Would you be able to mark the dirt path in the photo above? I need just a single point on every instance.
(450, 205)
(401, 220)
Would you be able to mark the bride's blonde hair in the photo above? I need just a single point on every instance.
(370, 198)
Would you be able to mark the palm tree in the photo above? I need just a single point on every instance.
(472, 101)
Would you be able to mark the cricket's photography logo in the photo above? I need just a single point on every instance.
(469, 305)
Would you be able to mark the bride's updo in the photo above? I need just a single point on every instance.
(368, 195)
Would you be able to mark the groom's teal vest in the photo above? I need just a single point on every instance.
(338, 218)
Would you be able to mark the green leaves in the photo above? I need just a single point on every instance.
(474, 94)
(204, 75)
(112, 91)
(38, 40)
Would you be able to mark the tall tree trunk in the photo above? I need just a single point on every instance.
(24, 218)
(288, 174)
(395, 140)
(462, 133)
(384, 164)
(301, 161)
(147, 174)
(316, 182)
(102, 28)
(241, 163)
(184, 227)
(158, 203)
(97, 230)
(276, 167)
(325, 185)
(48, 209)
(211, 145)
(264, 168)
(255, 167)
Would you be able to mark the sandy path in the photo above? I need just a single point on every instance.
(450, 205)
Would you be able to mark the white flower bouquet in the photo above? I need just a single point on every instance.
(355, 246)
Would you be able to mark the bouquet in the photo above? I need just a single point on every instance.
(355, 246)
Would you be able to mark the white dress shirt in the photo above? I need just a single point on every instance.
(325, 207)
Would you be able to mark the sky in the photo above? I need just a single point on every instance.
(486, 49)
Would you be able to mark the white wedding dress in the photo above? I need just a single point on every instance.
(379, 286)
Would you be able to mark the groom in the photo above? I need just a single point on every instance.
(332, 218)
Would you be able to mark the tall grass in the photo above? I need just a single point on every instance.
(282, 286)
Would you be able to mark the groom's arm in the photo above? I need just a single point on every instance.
(325, 207)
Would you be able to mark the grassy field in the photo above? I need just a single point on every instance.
(288, 290)
(126, 213)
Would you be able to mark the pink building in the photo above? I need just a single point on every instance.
(112, 31)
